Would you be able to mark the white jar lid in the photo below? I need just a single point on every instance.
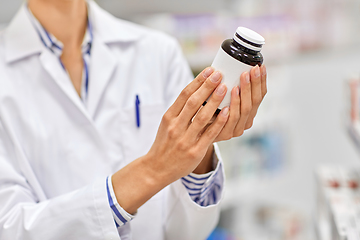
(250, 36)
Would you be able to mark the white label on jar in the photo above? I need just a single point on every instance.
(231, 70)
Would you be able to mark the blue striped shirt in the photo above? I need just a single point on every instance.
(204, 189)
(56, 47)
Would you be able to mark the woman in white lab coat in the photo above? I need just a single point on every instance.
(82, 155)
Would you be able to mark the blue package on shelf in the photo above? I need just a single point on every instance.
(220, 234)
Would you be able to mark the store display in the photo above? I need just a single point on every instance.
(353, 119)
(270, 159)
(338, 215)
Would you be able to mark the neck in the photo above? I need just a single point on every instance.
(65, 19)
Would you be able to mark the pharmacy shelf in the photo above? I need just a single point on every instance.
(354, 132)
(338, 203)
(323, 230)
(258, 189)
(125, 8)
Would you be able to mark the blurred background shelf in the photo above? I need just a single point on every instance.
(338, 211)
(312, 126)
(312, 47)
(354, 132)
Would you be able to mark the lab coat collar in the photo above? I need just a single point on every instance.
(22, 40)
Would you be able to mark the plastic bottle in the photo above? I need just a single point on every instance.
(238, 55)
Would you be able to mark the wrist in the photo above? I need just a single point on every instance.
(156, 174)
(136, 183)
(206, 164)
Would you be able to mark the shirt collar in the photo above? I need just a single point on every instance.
(22, 40)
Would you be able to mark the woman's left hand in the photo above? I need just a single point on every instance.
(245, 103)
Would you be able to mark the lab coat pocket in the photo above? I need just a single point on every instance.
(139, 128)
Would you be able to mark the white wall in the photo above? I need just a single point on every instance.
(7, 9)
(127, 8)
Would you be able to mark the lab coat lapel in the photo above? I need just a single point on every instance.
(107, 30)
(102, 66)
(53, 67)
(16, 49)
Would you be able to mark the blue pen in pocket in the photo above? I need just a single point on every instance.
(137, 109)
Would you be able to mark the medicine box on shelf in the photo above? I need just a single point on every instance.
(338, 203)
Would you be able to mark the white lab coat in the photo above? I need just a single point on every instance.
(55, 153)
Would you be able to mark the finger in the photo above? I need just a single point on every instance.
(196, 100)
(214, 129)
(255, 81)
(234, 116)
(263, 81)
(245, 103)
(256, 94)
(178, 105)
(206, 113)
(253, 113)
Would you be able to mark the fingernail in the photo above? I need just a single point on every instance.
(221, 89)
(247, 78)
(263, 70)
(257, 71)
(215, 77)
(208, 72)
(237, 90)
(225, 111)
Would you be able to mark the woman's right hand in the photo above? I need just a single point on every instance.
(182, 141)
